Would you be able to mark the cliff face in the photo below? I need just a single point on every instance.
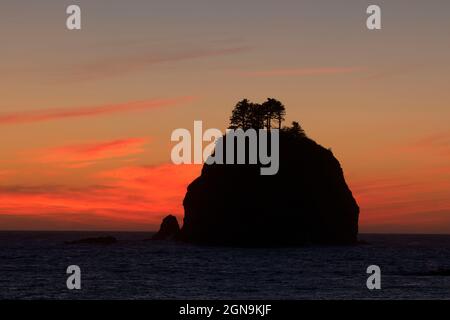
(306, 202)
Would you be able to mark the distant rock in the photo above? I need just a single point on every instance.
(98, 240)
(169, 229)
(306, 202)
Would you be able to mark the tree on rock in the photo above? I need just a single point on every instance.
(248, 115)
(295, 130)
(274, 110)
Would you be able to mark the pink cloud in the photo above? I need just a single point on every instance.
(90, 111)
(130, 198)
(298, 72)
(82, 155)
(123, 65)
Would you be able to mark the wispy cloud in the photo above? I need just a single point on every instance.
(119, 66)
(89, 111)
(416, 196)
(5, 173)
(392, 71)
(437, 142)
(429, 152)
(127, 198)
(298, 72)
(82, 155)
(402, 200)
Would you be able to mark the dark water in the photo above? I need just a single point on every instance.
(33, 266)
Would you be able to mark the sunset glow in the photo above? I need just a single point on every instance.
(86, 117)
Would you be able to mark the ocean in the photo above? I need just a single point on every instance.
(33, 266)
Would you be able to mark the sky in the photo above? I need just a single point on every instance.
(86, 116)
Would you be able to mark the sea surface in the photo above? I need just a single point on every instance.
(33, 266)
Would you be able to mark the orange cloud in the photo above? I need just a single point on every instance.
(92, 111)
(403, 203)
(437, 142)
(298, 72)
(131, 198)
(82, 155)
(413, 198)
(163, 185)
(5, 173)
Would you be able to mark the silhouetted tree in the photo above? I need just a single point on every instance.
(295, 130)
(274, 110)
(280, 112)
(247, 114)
(257, 116)
(268, 108)
(240, 117)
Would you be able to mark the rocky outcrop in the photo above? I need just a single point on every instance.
(306, 202)
(169, 229)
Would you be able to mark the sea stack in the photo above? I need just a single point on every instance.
(169, 229)
(306, 202)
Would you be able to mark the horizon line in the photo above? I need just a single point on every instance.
(155, 231)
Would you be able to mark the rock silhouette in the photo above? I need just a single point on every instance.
(306, 202)
(169, 229)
